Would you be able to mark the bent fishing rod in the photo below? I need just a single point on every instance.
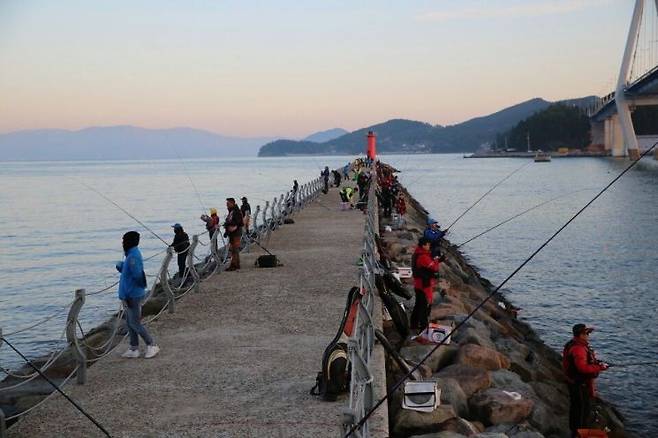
(485, 195)
(493, 293)
(57, 388)
(520, 214)
(631, 364)
(123, 210)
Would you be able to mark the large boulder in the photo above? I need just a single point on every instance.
(510, 381)
(472, 336)
(445, 311)
(461, 426)
(442, 434)
(494, 406)
(453, 394)
(482, 357)
(408, 422)
(443, 355)
(470, 379)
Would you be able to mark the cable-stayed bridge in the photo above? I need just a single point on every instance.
(625, 121)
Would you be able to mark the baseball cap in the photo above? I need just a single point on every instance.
(581, 328)
(176, 225)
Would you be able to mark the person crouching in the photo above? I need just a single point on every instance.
(423, 268)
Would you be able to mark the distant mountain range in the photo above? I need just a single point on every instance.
(123, 143)
(408, 136)
(329, 134)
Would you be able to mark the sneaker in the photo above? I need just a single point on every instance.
(130, 354)
(151, 351)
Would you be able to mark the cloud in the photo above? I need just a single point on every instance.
(490, 10)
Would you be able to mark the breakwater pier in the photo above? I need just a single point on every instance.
(240, 354)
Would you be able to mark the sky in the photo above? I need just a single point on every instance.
(290, 68)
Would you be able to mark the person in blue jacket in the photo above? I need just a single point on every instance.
(132, 285)
(434, 234)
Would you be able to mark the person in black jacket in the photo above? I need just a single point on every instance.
(233, 226)
(245, 209)
(180, 244)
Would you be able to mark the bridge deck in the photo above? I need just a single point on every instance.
(238, 358)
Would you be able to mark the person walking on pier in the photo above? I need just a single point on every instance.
(245, 209)
(423, 268)
(180, 244)
(233, 226)
(581, 368)
(132, 284)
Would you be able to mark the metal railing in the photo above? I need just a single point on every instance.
(198, 268)
(361, 344)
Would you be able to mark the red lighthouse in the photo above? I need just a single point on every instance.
(372, 148)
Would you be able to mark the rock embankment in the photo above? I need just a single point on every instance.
(497, 377)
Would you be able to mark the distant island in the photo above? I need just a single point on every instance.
(409, 136)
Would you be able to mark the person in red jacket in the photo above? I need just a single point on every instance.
(424, 268)
(581, 368)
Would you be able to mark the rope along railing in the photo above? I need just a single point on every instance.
(360, 345)
(171, 288)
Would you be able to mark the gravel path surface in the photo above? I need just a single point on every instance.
(238, 359)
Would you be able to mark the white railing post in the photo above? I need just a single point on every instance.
(190, 262)
(72, 338)
(164, 281)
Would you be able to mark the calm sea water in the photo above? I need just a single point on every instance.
(58, 236)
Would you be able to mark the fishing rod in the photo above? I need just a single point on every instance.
(123, 210)
(485, 194)
(520, 214)
(492, 294)
(632, 364)
(57, 388)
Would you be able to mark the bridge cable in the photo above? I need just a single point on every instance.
(57, 388)
(491, 294)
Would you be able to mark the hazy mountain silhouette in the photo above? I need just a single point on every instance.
(408, 136)
(123, 143)
(329, 134)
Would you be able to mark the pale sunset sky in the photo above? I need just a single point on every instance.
(289, 68)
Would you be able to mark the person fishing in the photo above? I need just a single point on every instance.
(212, 222)
(424, 268)
(233, 231)
(401, 206)
(434, 234)
(581, 367)
(325, 178)
(295, 189)
(132, 284)
(180, 244)
(245, 209)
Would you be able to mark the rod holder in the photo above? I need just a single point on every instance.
(72, 338)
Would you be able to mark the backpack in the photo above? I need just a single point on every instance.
(334, 376)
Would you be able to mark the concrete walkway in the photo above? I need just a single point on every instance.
(238, 359)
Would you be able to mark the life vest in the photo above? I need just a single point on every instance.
(569, 363)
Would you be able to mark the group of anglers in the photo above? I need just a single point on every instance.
(132, 282)
(579, 361)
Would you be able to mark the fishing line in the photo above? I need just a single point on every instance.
(123, 210)
(493, 293)
(190, 178)
(57, 388)
(483, 196)
(521, 214)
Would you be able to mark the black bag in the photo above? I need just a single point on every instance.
(267, 261)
